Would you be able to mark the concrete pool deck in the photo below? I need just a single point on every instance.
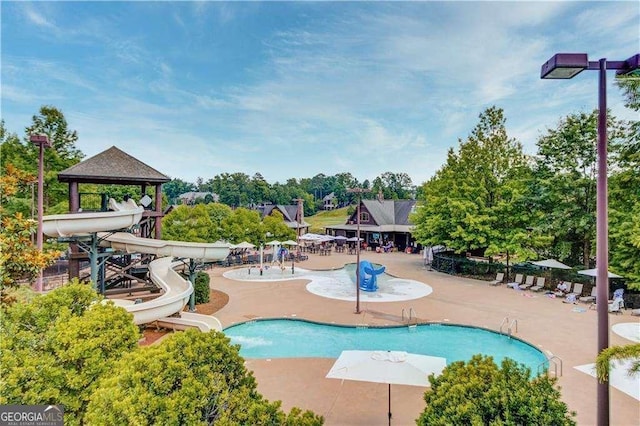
(549, 324)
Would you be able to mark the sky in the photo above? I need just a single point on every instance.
(294, 89)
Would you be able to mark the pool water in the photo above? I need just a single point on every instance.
(300, 339)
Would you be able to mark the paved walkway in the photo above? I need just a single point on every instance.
(549, 324)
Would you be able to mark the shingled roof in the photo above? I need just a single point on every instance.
(112, 166)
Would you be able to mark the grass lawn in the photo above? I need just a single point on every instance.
(325, 218)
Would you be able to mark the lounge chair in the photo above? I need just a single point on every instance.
(498, 280)
(528, 283)
(591, 298)
(616, 306)
(539, 284)
(516, 282)
(573, 296)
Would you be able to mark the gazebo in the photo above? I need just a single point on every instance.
(116, 167)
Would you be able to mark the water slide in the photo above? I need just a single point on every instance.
(166, 309)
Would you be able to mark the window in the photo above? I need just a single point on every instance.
(364, 217)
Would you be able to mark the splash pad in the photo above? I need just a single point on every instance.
(339, 283)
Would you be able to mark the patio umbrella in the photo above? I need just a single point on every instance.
(354, 239)
(390, 367)
(341, 237)
(551, 263)
(274, 243)
(244, 245)
(594, 273)
(289, 243)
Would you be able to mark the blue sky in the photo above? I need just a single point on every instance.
(293, 89)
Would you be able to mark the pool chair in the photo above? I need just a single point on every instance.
(591, 298)
(616, 306)
(516, 282)
(528, 283)
(498, 280)
(573, 296)
(539, 284)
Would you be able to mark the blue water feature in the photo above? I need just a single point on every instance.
(368, 275)
(286, 338)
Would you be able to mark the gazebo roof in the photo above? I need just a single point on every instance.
(112, 166)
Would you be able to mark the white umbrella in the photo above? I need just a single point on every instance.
(274, 243)
(551, 263)
(341, 237)
(289, 243)
(354, 239)
(594, 273)
(390, 367)
(244, 244)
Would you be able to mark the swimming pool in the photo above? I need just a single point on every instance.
(289, 338)
(337, 283)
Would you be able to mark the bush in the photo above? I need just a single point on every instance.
(54, 348)
(481, 393)
(201, 287)
(192, 378)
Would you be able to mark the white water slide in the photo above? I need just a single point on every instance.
(166, 309)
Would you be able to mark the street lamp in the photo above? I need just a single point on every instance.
(565, 66)
(43, 142)
(358, 191)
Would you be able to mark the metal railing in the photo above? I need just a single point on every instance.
(510, 326)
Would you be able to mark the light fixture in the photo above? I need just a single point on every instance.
(565, 66)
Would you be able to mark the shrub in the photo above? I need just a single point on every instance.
(201, 287)
(481, 393)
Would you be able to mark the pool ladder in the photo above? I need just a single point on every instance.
(411, 314)
(510, 326)
(551, 360)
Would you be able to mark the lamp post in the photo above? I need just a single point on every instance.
(42, 141)
(358, 191)
(565, 66)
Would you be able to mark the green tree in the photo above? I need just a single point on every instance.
(54, 349)
(243, 225)
(624, 193)
(566, 176)
(218, 212)
(188, 223)
(192, 378)
(479, 392)
(63, 153)
(176, 187)
(463, 202)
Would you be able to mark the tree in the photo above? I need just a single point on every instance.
(176, 187)
(188, 223)
(566, 175)
(243, 225)
(63, 153)
(192, 378)
(463, 202)
(479, 392)
(54, 349)
(20, 259)
(624, 193)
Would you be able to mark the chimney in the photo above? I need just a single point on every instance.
(380, 196)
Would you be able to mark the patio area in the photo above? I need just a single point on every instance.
(567, 331)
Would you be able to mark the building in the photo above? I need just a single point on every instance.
(381, 222)
(328, 202)
(190, 198)
(293, 216)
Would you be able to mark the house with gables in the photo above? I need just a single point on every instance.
(293, 215)
(381, 222)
